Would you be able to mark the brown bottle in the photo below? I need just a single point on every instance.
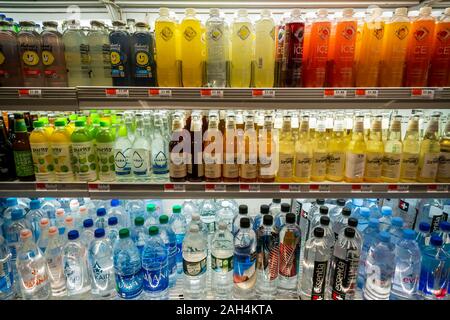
(213, 168)
(10, 74)
(53, 58)
(177, 164)
(21, 150)
(7, 169)
(230, 168)
(29, 42)
(195, 167)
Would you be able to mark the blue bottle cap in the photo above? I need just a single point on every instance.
(384, 236)
(358, 202)
(409, 234)
(101, 212)
(374, 223)
(72, 235)
(364, 212)
(114, 202)
(386, 211)
(35, 204)
(424, 227)
(444, 226)
(17, 214)
(436, 241)
(112, 221)
(87, 223)
(397, 222)
(99, 233)
(11, 202)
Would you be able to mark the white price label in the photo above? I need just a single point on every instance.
(35, 93)
(174, 188)
(335, 93)
(117, 92)
(366, 93)
(263, 93)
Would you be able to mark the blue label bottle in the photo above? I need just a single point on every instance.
(143, 71)
(120, 53)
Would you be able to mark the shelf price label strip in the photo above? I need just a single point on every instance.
(167, 93)
(422, 93)
(211, 187)
(170, 187)
(249, 188)
(98, 187)
(30, 93)
(319, 187)
(211, 93)
(334, 93)
(115, 93)
(366, 93)
(261, 93)
(45, 186)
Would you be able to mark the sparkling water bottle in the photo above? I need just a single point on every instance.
(112, 231)
(6, 276)
(370, 236)
(42, 242)
(396, 230)
(54, 260)
(138, 234)
(170, 240)
(178, 223)
(222, 250)
(257, 222)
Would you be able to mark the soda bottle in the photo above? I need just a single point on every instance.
(7, 166)
(217, 49)
(439, 64)
(10, 62)
(29, 43)
(22, 150)
(98, 39)
(53, 59)
(264, 50)
(143, 71)
(120, 47)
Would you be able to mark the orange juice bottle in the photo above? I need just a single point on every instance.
(419, 49)
(368, 63)
(393, 53)
(440, 61)
(316, 50)
(341, 52)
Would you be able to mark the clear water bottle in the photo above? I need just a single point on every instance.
(315, 267)
(374, 208)
(117, 211)
(370, 237)
(344, 266)
(69, 224)
(101, 266)
(208, 216)
(431, 211)
(6, 276)
(178, 223)
(363, 220)
(31, 267)
(42, 242)
(83, 214)
(396, 230)
(217, 41)
(170, 240)
(54, 260)
(324, 223)
(226, 214)
(34, 216)
(11, 205)
(336, 211)
(112, 231)
(127, 267)
(341, 221)
(194, 263)
(315, 222)
(407, 267)
(356, 205)
(195, 219)
(135, 208)
(152, 216)
(244, 274)
(275, 207)
(49, 206)
(188, 208)
(75, 264)
(444, 233)
(385, 220)
(101, 221)
(280, 218)
(380, 268)
(222, 250)
(242, 213)
(87, 234)
(59, 221)
(155, 265)
(257, 222)
(138, 234)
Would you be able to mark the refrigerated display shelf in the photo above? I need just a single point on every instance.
(168, 190)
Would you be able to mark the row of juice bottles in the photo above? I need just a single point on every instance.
(226, 146)
(295, 52)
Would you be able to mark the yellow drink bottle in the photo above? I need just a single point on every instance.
(264, 50)
(266, 152)
(286, 152)
(192, 50)
(429, 152)
(348, 127)
(411, 150)
(41, 153)
(62, 152)
(374, 152)
(336, 151)
(320, 152)
(166, 32)
(393, 148)
(393, 53)
(443, 174)
(355, 157)
(303, 153)
(242, 50)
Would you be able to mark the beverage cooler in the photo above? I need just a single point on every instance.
(216, 150)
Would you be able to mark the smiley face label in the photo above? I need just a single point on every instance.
(47, 58)
(115, 58)
(30, 58)
(142, 58)
(2, 58)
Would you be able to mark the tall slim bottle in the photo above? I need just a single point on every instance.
(230, 168)
(411, 149)
(264, 50)
(374, 152)
(355, 157)
(393, 54)
(429, 152)
(98, 39)
(393, 149)
(320, 152)
(303, 153)
(195, 166)
(420, 48)
(10, 71)
(443, 174)
(212, 151)
(76, 51)
(242, 50)
(336, 151)
(217, 50)
(439, 73)
(280, 32)
(177, 167)
(22, 150)
(143, 68)
(316, 61)
(266, 152)
(29, 42)
(120, 47)
(341, 54)
(247, 153)
(286, 152)
(292, 68)
(53, 58)
(7, 168)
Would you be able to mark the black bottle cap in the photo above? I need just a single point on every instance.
(244, 223)
(324, 220)
(349, 232)
(352, 222)
(323, 210)
(318, 232)
(290, 218)
(340, 202)
(267, 220)
(264, 209)
(243, 209)
(285, 207)
(320, 202)
(346, 211)
(276, 200)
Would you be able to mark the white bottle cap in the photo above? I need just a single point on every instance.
(242, 13)
(322, 12)
(347, 12)
(214, 11)
(376, 12)
(425, 11)
(164, 11)
(265, 13)
(190, 11)
(447, 11)
(401, 12)
(295, 12)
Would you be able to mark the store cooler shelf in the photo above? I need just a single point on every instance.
(41, 189)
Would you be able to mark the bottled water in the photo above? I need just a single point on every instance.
(122, 153)
(406, 210)
(372, 205)
(380, 268)
(178, 224)
(169, 239)
(315, 267)
(243, 213)
(407, 267)
(431, 211)
(59, 220)
(127, 267)
(244, 273)
(444, 233)
(135, 208)
(344, 266)
(11, 205)
(152, 215)
(31, 267)
(42, 242)
(188, 208)
(208, 216)
(49, 206)
(275, 207)
(83, 214)
(328, 232)
(112, 231)
(141, 153)
(87, 234)
(117, 211)
(363, 220)
(423, 236)
(76, 266)
(101, 266)
(101, 220)
(315, 221)
(267, 251)
(230, 203)
(54, 260)
(280, 218)
(222, 250)
(217, 34)
(341, 222)
(226, 214)
(74, 206)
(138, 234)
(160, 152)
(201, 226)
(370, 237)
(194, 263)
(396, 230)
(356, 205)
(69, 224)
(6, 276)
(336, 211)
(385, 220)
(34, 216)
(257, 222)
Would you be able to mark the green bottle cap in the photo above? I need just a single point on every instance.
(124, 233)
(151, 207)
(44, 120)
(19, 125)
(163, 219)
(60, 123)
(139, 221)
(38, 124)
(79, 123)
(176, 208)
(73, 117)
(153, 230)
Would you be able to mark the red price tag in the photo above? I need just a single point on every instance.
(422, 93)
(356, 188)
(98, 187)
(206, 93)
(160, 92)
(398, 188)
(319, 187)
(249, 187)
(366, 93)
(263, 93)
(117, 92)
(210, 187)
(46, 186)
(30, 93)
(284, 187)
(335, 93)
(174, 187)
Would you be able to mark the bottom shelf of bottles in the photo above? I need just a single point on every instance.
(333, 249)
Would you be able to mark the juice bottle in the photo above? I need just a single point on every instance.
(10, 73)
(303, 153)
(195, 165)
(429, 152)
(440, 59)
(411, 149)
(374, 151)
(247, 153)
(420, 46)
(320, 152)
(264, 50)
(53, 57)
(341, 52)
(120, 47)
(78, 60)
(280, 32)
(22, 151)
(167, 50)
(105, 153)
(217, 42)
(395, 42)
(41, 153)
(336, 151)
(355, 157)
(443, 174)
(177, 167)
(266, 151)
(98, 39)
(143, 71)
(242, 50)
(61, 150)
(213, 167)
(192, 50)
(286, 153)
(7, 169)
(230, 168)
(370, 54)
(29, 43)
(393, 149)
(291, 69)
(84, 159)
(317, 46)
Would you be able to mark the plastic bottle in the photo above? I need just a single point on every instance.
(117, 211)
(84, 159)
(243, 212)
(87, 233)
(53, 59)
(423, 235)
(325, 224)
(42, 241)
(34, 217)
(280, 219)
(29, 44)
(141, 153)
(120, 47)
(264, 50)
(54, 260)
(178, 223)
(21, 150)
(112, 231)
(341, 221)
(370, 237)
(104, 142)
(159, 151)
(98, 39)
(12, 232)
(315, 221)
(169, 239)
(152, 215)
(263, 210)
(41, 153)
(101, 220)
(396, 230)
(10, 68)
(138, 234)
(7, 276)
(60, 145)
(7, 166)
(336, 211)
(363, 219)
(143, 71)
(226, 214)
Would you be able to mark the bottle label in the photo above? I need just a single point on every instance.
(319, 164)
(391, 165)
(177, 168)
(354, 165)
(215, 33)
(143, 57)
(24, 163)
(212, 168)
(430, 166)
(318, 280)
(194, 268)
(268, 255)
(410, 163)
(336, 162)
(189, 33)
(265, 169)
(303, 163)
(42, 159)
(61, 154)
(156, 279)
(222, 265)
(374, 161)
(248, 171)
(33, 278)
(84, 161)
(200, 169)
(160, 163)
(105, 155)
(47, 57)
(129, 286)
(405, 278)
(435, 214)
(231, 171)
(118, 60)
(444, 166)
(343, 277)
(285, 165)
(243, 33)
(289, 255)
(140, 161)
(6, 276)
(101, 277)
(122, 163)
(244, 272)
(74, 274)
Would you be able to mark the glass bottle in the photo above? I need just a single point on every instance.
(177, 152)
(320, 152)
(29, 43)
(266, 152)
(443, 174)
(392, 157)
(336, 151)
(160, 151)
(303, 153)
(195, 165)
(10, 64)
(53, 57)
(411, 149)
(286, 152)
(356, 153)
(120, 46)
(247, 153)
(7, 167)
(429, 152)
(230, 168)
(141, 165)
(212, 151)
(22, 151)
(143, 71)
(98, 39)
